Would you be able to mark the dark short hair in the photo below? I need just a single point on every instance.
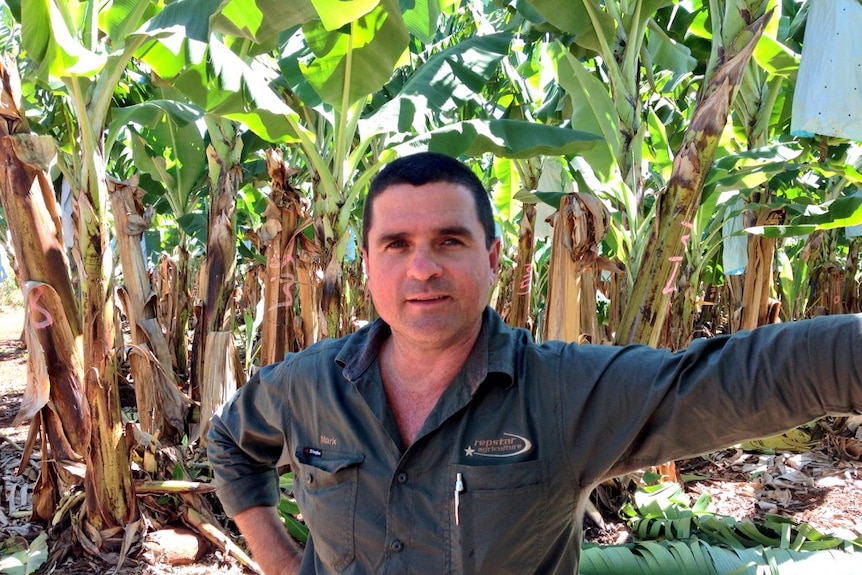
(427, 168)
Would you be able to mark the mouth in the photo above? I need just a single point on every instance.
(427, 299)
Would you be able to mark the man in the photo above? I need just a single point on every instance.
(439, 440)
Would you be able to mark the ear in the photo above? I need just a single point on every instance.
(364, 253)
(494, 257)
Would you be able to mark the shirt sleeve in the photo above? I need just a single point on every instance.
(632, 407)
(245, 441)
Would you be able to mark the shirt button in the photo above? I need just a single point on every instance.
(401, 477)
(396, 545)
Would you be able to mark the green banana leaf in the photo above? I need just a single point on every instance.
(167, 144)
(261, 21)
(504, 138)
(593, 110)
(838, 213)
(700, 558)
(357, 59)
(49, 41)
(441, 85)
(573, 18)
(176, 35)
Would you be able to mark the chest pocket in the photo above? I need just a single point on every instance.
(325, 486)
(500, 519)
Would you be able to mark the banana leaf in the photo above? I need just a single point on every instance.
(696, 557)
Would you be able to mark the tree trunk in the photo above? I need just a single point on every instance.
(851, 285)
(330, 297)
(825, 289)
(223, 376)
(563, 305)
(170, 281)
(589, 314)
(110, 495)
(30, 209)
(308, 258)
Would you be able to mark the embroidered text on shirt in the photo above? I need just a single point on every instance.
(328, 440)
(509, 445)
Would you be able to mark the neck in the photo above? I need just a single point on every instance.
(417, 372)
(415, 378)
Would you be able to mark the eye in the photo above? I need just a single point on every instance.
(396, 244)
(452, 242)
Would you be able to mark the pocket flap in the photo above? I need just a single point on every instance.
(327, 459)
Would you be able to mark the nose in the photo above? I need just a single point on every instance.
(423, 264)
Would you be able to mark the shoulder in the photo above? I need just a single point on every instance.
(320, 354)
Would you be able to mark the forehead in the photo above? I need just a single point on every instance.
(414, 208)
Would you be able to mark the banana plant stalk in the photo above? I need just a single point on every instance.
(758, 282)
(281, 233)
(214, 336)
(54, 397)
(110, 498)
(579, 228)
(620, 55)
(563, 308)
(851, 287)
(170, 281)
(162, 407)
(522, 279)
(754, 104)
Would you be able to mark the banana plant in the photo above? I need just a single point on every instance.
(213, 379)
(647, 309)
(169, 161)
(55, 397)
(599, 60)
(79, 52)
(167, 149)
(347, 50)
(760, 92)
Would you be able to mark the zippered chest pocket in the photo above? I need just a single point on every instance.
(496, 521)
(325, 485)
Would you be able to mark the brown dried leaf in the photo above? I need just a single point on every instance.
(38, 152)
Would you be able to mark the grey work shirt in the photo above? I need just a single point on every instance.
(531, 429)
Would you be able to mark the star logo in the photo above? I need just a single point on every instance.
(469, 451)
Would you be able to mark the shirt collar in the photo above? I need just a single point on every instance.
(493, 351)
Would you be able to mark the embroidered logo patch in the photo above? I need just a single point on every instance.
(509, 445)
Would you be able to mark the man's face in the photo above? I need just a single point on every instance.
(429, 271)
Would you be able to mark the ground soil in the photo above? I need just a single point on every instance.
(820, 485)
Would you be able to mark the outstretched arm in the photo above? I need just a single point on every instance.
(270, 544)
